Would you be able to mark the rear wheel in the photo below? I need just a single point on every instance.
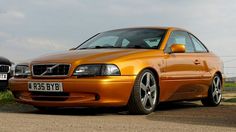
(144, 95)
(214, 92)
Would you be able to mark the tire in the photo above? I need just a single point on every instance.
(214, 92)
(144, 96)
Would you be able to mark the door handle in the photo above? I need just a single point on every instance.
(197, 62)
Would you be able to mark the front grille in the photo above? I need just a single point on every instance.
(51, 69)
(4, 68)
(50, 96)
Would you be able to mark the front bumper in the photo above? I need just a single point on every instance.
(4, 83)
(81, 92)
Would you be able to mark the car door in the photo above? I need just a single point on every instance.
(182, 70)
(203, 56)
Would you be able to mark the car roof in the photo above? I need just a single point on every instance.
(150, 27)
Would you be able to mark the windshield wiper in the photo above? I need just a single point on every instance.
(98, 47)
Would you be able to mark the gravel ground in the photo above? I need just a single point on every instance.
(183, 116)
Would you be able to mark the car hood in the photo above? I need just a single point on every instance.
(91, 55)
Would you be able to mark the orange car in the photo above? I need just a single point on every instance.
(133, 67)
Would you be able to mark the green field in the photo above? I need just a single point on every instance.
(230, 85)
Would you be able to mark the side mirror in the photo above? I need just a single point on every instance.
(72, 49)
(177, 48)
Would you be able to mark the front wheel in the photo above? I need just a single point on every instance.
(144, 96)
(214, 92)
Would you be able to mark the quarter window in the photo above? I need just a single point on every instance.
(198, 45)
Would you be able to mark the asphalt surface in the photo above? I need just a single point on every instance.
(182, 116)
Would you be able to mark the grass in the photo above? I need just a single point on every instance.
(230, 85)
(6, 97)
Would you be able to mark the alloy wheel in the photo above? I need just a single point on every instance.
(148, 91)
(216, 87)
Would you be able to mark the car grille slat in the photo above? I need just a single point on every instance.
(43, 70)
(4, 69)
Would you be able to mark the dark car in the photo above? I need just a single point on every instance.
(5, 73)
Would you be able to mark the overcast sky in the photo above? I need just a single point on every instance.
(29, 28)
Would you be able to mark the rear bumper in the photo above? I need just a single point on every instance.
(82, 92)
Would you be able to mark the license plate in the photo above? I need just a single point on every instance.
(3, 76)
(45, 86)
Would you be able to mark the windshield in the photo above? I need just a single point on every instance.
(126, 38)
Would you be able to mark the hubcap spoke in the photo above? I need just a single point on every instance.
(148, 79)
(150, 100)
(219, 91)
(143, 87)
(214, 93)
(144, 100)
(217, 97)
(217, 82)
(153, 88)
(214, 83)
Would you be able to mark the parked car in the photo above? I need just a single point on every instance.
(133, 67)
(5, 69)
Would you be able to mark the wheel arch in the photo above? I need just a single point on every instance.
(155, 73)
(220, 74)
(209, 100)
(133, 105)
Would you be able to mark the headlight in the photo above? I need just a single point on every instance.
(21, 71)
(97, 70)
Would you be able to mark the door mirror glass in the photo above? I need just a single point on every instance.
(177, 48)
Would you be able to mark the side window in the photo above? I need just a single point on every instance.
(197, 44)
(180, 37)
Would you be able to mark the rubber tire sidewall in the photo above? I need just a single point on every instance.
(135, 99)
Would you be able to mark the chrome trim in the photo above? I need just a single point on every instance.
(32, 67)
(9, 68)
(49, 69)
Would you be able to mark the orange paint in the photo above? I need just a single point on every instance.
(181, 76)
